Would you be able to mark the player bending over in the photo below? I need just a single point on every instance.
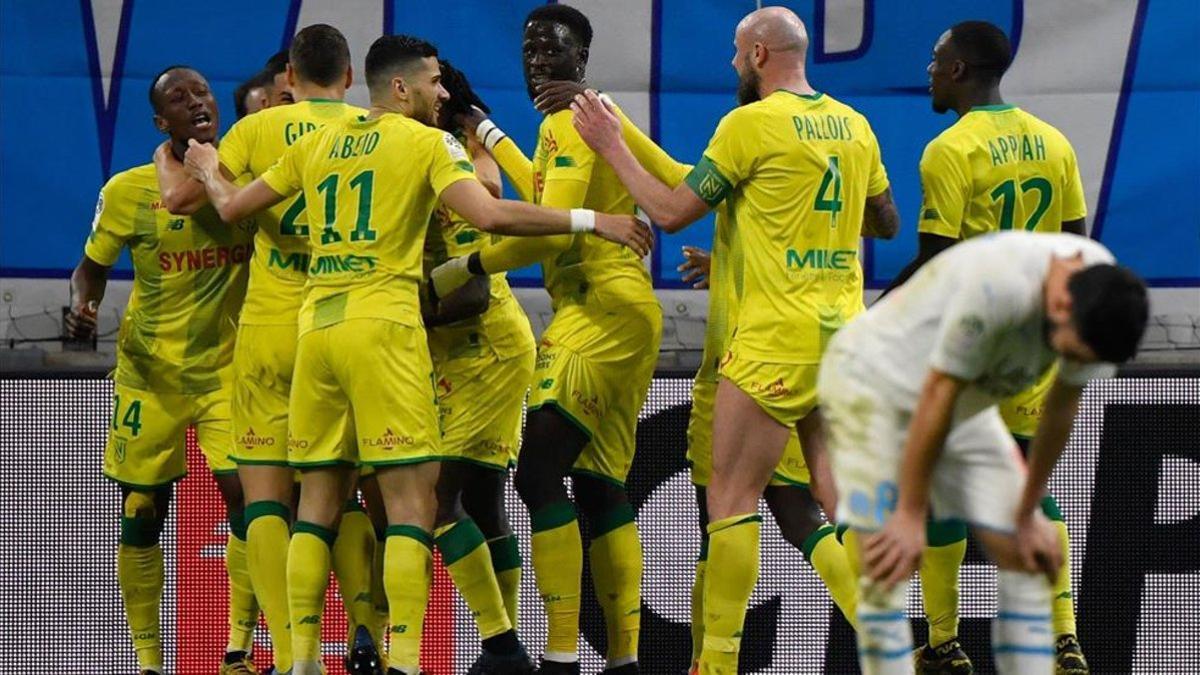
(910, 390)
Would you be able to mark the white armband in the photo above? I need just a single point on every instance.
(489, 134)
(583, 220)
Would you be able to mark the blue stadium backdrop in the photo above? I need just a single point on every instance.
(74, 75)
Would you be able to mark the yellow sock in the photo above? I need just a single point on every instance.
(698, 601)
(243, 608)
(728, 583)
(140, 575)
(379, 601)
(827, 556)
(558, 566)
(616, 558)
(408, 573)
(506, 561)
(307, 579)
(353, 556)
(1062, 612)
(266, 559)
(947, 546)
(469, 563)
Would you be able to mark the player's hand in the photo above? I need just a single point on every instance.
(626, 230)
(470, 120)
(201, 160)
(596, 124)
(696, 267)
(81, 321)
(449, 277)
(557, 95)
(1038, 546)
(894, 553)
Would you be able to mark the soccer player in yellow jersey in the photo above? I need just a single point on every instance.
(370, 186)
(174, 357)
(318, 72)
(996, 168)
(801, 178)
(594, 364)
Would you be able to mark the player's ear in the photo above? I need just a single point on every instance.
(349, 76)
(958, 71)
(160, 123)
(290, 74)
(583, 59)
(399, 88)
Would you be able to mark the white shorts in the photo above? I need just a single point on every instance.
(977, 479)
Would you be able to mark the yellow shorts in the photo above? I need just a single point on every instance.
(785, 391)
(262, 365)
(148, 434)
(480, 402)
(1022, 412)
(792, 469)
(369, 379)
(595, 368)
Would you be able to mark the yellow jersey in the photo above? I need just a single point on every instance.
(999, 168)
(503, 328)
(277, 270)
(591, 267)
(370, 186)
(794, 172)
(189, 278)
(724, 288)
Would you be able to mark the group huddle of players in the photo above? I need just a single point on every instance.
(325, 292)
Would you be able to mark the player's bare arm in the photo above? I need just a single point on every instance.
(1077, 226)
(881, 219)
(232, 203)
(471, 299)
(928, 245)
(181, 194)
(894, 553)
(88, 282)
(672, 209)
(473, 202)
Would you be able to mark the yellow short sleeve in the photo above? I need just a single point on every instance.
(877, 182)
(1074, 204)
(113, 224)
(448, 162)
(568, 158)
(726, 160)
(285, 175)
(235, 147)
(944, 191)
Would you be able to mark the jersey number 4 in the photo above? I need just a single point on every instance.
(1006, 194)
(829, 195)
(363, 183)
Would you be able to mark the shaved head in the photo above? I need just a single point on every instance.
(776, 28)
(771, 45)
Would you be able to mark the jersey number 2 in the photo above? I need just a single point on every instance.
(364, 184)
(1006, 194)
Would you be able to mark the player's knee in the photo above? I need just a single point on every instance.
(449, 508)
(231, 491)
(485, 505)
(596, 497)
(795, 511)
(142, 517)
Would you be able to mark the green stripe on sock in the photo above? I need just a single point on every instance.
(703, 547)
(945, 532)
(612, 519)
(353, 504)
(412, 532)
(552, 516)
(319, 531)
(505, 553)
(810, 542)
(1050, 508)
(458, 541)
(266, 508)
(741, 521)
(140, 532)
(237, 523)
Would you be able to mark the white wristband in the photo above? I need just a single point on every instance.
(489, 134)
(583, 220)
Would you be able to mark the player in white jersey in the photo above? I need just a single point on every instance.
(910, 390)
